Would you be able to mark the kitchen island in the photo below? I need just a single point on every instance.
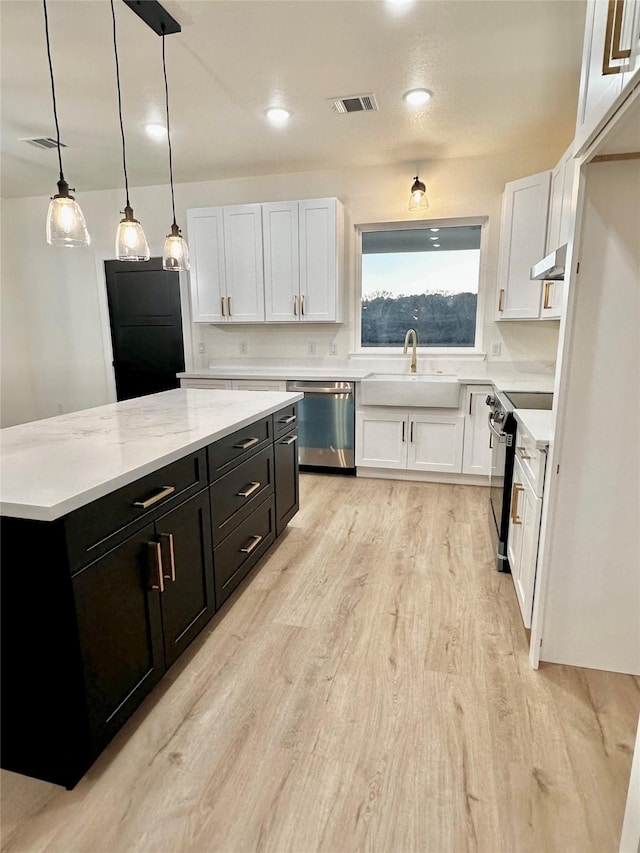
(124, 528)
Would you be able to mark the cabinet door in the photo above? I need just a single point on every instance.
(381, 439)
(527, 509)
(523, 233)
(318, 260)
(259, 385)
(555, 208)
(476, 457)
(211, 384)
(187, 602)
(281, 262)
(243, 263)
(435, 442)
(514, 535)
(551, 300)
(120, 632)
(286, 479)
(207, 275)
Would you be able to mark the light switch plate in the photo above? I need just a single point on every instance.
(496, 349)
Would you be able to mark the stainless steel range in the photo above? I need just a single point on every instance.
(502, 440)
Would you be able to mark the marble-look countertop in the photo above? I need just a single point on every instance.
(538, 424)
(351, 373)
(51, 467)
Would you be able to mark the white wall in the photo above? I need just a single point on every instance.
(62, 292)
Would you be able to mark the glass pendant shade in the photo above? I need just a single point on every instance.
(418, 200)
(65, 220)
(131, 244)
(175, 255)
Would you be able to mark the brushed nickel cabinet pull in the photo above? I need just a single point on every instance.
(411, 433)
(288, 440)
(155, 560)
(288, 420)
(302, 305)
(295, 306)
(229, 305)
(163, 493)
(470, 401)
(249, 490)
(172, 557)
(403, 430)
(517, 488)
(501, 299)
(222, 306)
(547, 288)
(245, 445)
(252, 545)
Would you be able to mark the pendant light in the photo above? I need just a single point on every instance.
(418, 200)
(131, 244)
(65, 221)
(175, 255)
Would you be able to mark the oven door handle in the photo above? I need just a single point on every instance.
(496, 432)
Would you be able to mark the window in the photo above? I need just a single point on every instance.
(420, 278)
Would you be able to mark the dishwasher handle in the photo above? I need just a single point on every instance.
(321, 389)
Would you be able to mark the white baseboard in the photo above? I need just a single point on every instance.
(422, 476)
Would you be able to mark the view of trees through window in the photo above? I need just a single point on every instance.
(424, 279)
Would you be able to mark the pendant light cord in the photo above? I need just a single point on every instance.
(166, 100)
(53, 88)
(124, 154)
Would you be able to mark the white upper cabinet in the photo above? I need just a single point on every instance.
(281, 261)
(523, 233)
(558, 228)
(243, 263)
(207, 276)
(321, 229)
(610, 64)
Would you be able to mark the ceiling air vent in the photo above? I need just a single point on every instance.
(43, 142)
(355, 104)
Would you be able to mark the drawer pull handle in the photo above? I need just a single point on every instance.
(295, 306)
(164, 492)
(222, 306)
(288, 420)
(229, 305)
(523, 455)
(501, 300)
(517, 488)
(302, 305)
(252, 545)
(172, 557)
(245, 445)
(289, 440)
(547, 288)
(249, 490)
(155, 566)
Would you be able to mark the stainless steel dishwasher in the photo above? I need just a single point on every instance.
(326, 424)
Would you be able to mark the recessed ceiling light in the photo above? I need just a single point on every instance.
(434, 229)
(434, 238)
(418, 97)
(436, 245)
(278, 115)
(156, 131)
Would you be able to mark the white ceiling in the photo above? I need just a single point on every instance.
(504, 74)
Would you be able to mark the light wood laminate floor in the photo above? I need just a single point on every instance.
(367, 689)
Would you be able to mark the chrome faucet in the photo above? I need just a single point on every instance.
(414, 363)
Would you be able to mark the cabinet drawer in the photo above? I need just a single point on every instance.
(234, 448)
(533, 461)
(234, 496)
(234, 558)
(285, 419)
(95, 528)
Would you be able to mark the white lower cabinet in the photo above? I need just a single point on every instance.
(523, 537)
(418, 441)
(211, 384)
(258, 385)
(476, 457)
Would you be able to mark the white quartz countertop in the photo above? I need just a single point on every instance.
(51, 467)
(504, 376)
(537, 422)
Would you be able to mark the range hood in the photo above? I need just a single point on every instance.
(550, 268)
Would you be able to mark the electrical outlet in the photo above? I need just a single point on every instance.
(496, 349)
(243, 347)
(312, 347)
(202, 347)
(333, 349)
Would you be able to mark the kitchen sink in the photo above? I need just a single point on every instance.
(410, 389)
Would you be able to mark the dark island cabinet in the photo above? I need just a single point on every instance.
(97, 605)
